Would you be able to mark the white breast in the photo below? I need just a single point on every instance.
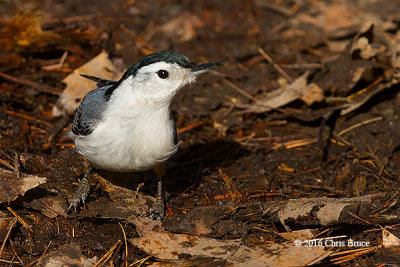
(133, 136)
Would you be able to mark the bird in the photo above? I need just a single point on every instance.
(127, 126)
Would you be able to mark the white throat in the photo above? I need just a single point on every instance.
(134, 135)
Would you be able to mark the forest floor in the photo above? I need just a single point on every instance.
(288, 152)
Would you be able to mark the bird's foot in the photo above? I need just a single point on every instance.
(81, 192)
(157, 212)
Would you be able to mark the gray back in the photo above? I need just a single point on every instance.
(90, 111)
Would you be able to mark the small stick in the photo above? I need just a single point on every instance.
(190, 127)
(15, 253)
(359, 125)
(353, 256)
(302, 66)
(68, 20)
(295, 143)
(8, 166)
(239, 90)
(129, 254)
(59, 65)
(141, 261)
(320, 233)
(106, 256)
(357, 217)
(9, 262)
(11, 225)
(374, 83)
(29, 118)
(20, 219)
(126, 243)
(276, 66)
(115, 255)
(36, 260)
(275, 8)
(37, 86)
(137, 38)
(233, 192)
(347, 251)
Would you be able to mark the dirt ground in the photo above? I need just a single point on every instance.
(288, 152)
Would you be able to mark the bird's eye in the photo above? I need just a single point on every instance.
(163, 74)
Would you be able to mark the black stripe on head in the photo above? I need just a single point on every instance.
(161, 56)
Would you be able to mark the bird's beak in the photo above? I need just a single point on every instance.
(201, 68)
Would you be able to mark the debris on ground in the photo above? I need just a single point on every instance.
(289, 153)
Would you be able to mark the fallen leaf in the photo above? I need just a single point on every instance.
(329, 210)
(125, 204)
(389, 239)
(183, 28)
(168, 246)
(24, 31)
(298, 235)
(12, 186)
(312, 93)
(282, 96)
(51, 206)
(66, 255)
(78, 86)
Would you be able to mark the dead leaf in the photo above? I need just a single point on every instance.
(51, 205)
(13, 186)
(312, 93)
(298, 235)
(371, 48)
(337, 17)
(366, 51)
(329, 210)
(125, 204)
(168, 246)
(66, 255)
(182, 28)
(24, 31)
(389, 239)
(282, 96)
(78, 86)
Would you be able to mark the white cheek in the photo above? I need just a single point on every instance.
(153, 86)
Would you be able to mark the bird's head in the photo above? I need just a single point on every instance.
(159, 76)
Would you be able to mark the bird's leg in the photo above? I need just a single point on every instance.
(157, 213)
(82, 191)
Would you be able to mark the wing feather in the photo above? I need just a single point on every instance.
(90, 111)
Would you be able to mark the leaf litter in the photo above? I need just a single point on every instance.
(299, 142)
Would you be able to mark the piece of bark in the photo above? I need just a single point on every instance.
(233, 221)
(11, 186)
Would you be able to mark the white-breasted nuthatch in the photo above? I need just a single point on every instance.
(126, 125)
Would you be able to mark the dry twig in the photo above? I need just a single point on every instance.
(359, 125)
(106, 256)
(126, 243)
(276, 66)
(20, 219)
(35, 85)
(11, 225)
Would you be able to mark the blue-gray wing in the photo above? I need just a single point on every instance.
(99, 81)
(90, 111)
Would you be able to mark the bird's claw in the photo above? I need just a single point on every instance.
(80, 194)
(75, 203)
(157, 212)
